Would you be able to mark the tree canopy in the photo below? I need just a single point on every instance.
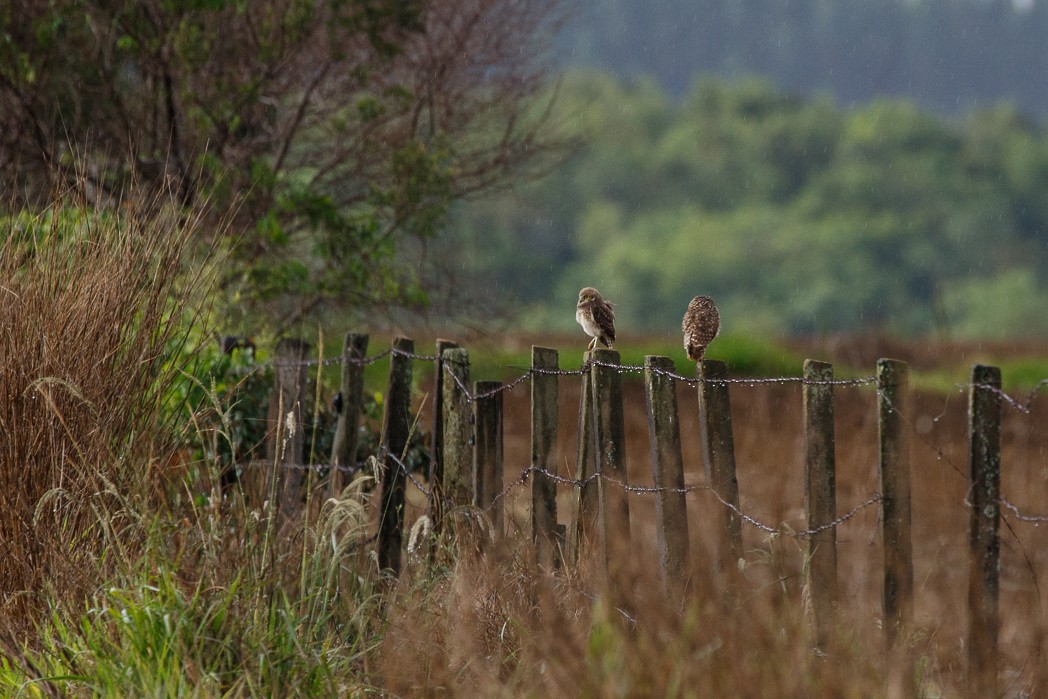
(323, 136)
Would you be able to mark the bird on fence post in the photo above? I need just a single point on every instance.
(596, 316)
(701, 324)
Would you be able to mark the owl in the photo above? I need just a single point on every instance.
(701, 324)
(596, 316)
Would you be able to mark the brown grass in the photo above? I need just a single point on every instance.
(85, 316)
(502, 628)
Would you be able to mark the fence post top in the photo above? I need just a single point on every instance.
(455, 354)
(404, 343)
(891, 371)
(544, 356)
(606, 356)
(657, 361)
(817, 368)
(983, 373)
(712, 369)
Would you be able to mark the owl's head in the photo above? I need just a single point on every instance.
(589, 294)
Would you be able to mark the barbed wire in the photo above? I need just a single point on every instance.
(1019, 515)
(1022, 405)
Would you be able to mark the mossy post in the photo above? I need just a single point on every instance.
(396, 427)
(610, 440)
(820, 494)
(586, 503)
(457, 482)
(667, 465)
(984, 461)
(544, 454)
(344, 446)
(894, 440)
(718, 450)
(488, 451)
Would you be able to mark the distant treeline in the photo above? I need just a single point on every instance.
(946, 54)
(797, 215)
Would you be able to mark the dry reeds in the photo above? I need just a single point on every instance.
(86, 312)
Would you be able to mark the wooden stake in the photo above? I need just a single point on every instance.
(396, 427)
(610, 438)
(586, 503)
(344, 446)
(820, 494)
(286, 413)
(488, 452)
(984, 429)
(894, 405)
(667, 465)
(544, 455)
(718, 449)
(458, 448)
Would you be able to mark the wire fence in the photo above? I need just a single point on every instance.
(1021, 404)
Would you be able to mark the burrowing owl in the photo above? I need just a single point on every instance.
(596, 317)
(701, 324)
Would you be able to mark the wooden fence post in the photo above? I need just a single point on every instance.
(436, 452)
(984, 430)
(610, 440)
(286, 412)
(894, 438)
(458, 448)
(667, 465)
(396, 426)
(544, 455)
(344, 446)
(718, 450)
(820, 493)
(585, 504)
(487, 455)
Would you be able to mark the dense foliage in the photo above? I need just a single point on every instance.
(798, 216)
(947, 54)
(322, 137)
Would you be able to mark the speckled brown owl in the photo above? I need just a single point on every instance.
(596, 316)
(701, 324)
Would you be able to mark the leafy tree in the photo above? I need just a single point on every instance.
(321, 134)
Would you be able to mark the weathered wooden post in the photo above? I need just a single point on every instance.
(585, 503)
(667, 465)
(610, 440)
(396, 427)
(820, 493)
(984, 461)
(543, 454)
(286, 412)
(344, 446)
(487, 453)
(458, 448)
(894, 438)
(718, 450)
(436, 459)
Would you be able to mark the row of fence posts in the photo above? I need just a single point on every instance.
(466, 469)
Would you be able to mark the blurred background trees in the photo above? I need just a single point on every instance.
(799, 216)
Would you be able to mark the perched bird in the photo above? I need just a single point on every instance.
(701, 324)
(596, 316)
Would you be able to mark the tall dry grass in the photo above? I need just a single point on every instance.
(87, 309)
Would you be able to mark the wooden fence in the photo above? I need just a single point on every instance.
(467, 469)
